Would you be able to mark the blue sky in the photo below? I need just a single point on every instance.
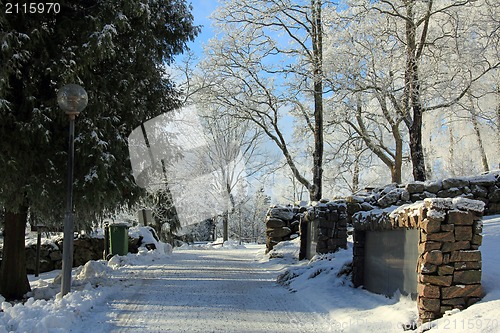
(202, 9)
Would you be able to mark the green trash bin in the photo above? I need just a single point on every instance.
(118, 239)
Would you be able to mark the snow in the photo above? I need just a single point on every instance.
(232, 288)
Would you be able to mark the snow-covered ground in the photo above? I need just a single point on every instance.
(232, 288)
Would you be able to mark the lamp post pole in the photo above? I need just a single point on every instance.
(72, 99)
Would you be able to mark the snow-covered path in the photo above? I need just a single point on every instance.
(203, 291)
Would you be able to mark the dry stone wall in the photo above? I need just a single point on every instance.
(449, 264)
(326, 224)
(85, 248)
(282, 224)
(485, 188)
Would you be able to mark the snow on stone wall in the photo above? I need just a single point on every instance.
(282, 224)
(449, 264)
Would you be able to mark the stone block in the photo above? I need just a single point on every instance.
(459, 217)
(429, 304)
(433, 187)
(429, 246)
(282, 213)
(447, 236)
(454, 183)
(465, 255)
(467, 277)
(390, 198)
(463, 233)
(460, 245)
(449, 193)
(426, 268)
(278, 232)
(444, 281)
(446, 270)
(426, 316)
(479, 191)
(428, 291)
(417, 196)
(477, 239)
(447, 227)
(471, 290)
(430, 226)
(454, 301)
(272, 222)
(472, 300)
(416, 187)
(445, 308)
(467, 265)
(433, 257)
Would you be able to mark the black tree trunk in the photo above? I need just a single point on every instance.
(14, 282)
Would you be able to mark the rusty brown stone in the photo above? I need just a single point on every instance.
(429, 304)
(426, 268)
(430, 226)
(445, 308)
(467, 277)
(471, 290)
(447, 236)
(426, 316)
(463, 233)
(446, 270)
(428, 291)
(459, 217)
(465, 255)
(477, 239)
(467, 265)
(434, 257)
(447, 227)
(429, 246)
(460, 245)
(454, 301)
(436, 280)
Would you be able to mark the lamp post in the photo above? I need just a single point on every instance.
(72, 99)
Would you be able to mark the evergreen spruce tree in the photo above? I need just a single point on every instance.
(118, 51)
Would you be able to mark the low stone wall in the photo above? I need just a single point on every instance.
(282, 224)
(449, 264)
(85, 249)
(325, 228)
(485, 188)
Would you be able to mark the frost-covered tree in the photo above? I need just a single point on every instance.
(117, 51)
(414, 57)
(267, 62)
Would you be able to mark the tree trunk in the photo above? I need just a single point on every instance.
(355, 173)
(451, 164)
(479, 139)
(316, 190)
(225, 220)
(14, 282)
(412, 91)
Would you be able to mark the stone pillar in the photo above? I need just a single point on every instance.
(449, 266)
(331, 220)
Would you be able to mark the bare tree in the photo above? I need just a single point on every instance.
(429, 55)
(269, 61)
